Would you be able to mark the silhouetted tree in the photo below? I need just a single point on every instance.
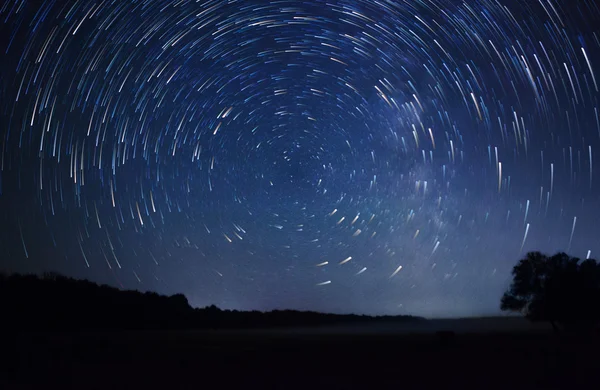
(559, 289)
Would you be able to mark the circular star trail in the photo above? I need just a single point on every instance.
(346, 156)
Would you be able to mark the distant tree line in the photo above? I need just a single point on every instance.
(52, 301)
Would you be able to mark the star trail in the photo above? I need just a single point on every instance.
(373, 156)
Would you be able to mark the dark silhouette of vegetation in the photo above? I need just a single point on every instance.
(53, 301)
(560, 289)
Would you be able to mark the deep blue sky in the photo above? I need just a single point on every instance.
(346, 156)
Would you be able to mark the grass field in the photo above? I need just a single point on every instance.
(479, 357)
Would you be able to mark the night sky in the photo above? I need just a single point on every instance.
(376, 156)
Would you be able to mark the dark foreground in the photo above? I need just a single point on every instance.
(297, 360)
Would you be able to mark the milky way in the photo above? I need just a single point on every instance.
(346, 156)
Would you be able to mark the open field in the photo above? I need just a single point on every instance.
(501, 358)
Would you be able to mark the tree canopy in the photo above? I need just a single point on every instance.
(560, 289)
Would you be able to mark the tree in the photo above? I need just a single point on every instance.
(559, 289)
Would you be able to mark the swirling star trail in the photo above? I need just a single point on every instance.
(286, 154)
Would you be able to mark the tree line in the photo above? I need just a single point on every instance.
(52, 301)
(559, 289)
